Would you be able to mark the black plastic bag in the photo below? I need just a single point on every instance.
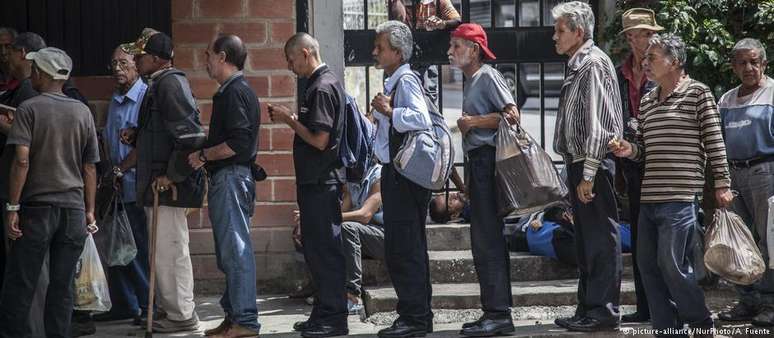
(527, 180)
(117, 245)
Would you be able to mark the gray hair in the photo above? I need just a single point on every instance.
(29, 41)
(306, 41)
(672, 45)
(8, 31)
(750, 44)
(399, 36)
(578, 15)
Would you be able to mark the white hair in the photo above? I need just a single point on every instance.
(672, 45)
(399, 36)
(750, 44)
(577, 14)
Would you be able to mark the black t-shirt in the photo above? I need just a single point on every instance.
(322, 110)
(14, 98)
(236, 117)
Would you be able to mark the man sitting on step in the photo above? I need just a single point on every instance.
(362, 230)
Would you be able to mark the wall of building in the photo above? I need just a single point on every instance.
(264, 25)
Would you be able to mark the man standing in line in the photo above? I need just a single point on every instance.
(319, 176)
(51, 197)
(228, 154)
(168, 128)
(639, 24)
(589, 117)
(484, 97)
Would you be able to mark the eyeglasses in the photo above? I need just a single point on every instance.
(123, 64)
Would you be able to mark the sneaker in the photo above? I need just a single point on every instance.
(235, 331)
(354, 308)
(741, 312)
(84, 328)
(765, 318)
(167, 325)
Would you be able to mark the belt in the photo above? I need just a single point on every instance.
(751, 162)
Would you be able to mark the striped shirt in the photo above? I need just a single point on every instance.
(675, 138)
(589, 109)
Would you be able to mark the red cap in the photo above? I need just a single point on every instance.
(474, 32)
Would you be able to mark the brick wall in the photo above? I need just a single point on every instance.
(263, 25)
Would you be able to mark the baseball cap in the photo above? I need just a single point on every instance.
(474, 32)
(53, 61)
(639, 18)
(151, 42)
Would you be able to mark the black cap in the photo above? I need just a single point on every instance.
(160, 45)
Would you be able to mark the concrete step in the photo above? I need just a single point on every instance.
(458, 267)
(466, 295)
(444, 237)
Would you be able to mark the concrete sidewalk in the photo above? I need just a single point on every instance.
(278, 313)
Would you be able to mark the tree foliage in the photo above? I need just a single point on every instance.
(710, 28)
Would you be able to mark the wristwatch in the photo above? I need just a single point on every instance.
(588, 178)
(202, 157)
(12, 207)
(118, 172)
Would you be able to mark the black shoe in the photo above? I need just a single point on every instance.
(302, 326)
(323, 330)
(113, 316)
(401, 329)
(589, 324)
(765, 318)
(565, 322)
(636, 317)
(85, 328)
(487, 327)
(740, 313)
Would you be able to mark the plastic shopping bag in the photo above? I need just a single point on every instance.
(91, 288)
(527, 180)
(117, 246)
(731, 251)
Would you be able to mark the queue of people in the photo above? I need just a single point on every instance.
(647, 118)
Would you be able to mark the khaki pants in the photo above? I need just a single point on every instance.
(174, 274)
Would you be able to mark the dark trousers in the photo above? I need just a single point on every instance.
(633, 172)
(598, 244)
(61, 232)
(674, 296)
(490, 252)
(320, 208)
(129, 284)
(405, 241)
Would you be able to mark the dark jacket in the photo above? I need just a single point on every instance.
(168, 130)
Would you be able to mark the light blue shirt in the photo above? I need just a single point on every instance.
(122, 113)
(409, 111)
(358, 192)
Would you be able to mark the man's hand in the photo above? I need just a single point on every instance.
(620, 148)
(163, 183)
(465, 123)
(194, 161)
(724, 196)
(585, 194)
(12, 220)
(128, 135)
(281, 114)
(381, 103)
(434, 23)
(91, 223)
(511, 113)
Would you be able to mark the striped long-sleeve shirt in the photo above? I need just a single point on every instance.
(589, 109)
(675, 138)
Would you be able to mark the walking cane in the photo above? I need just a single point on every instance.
(152, 244)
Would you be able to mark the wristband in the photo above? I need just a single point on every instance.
(12, 207)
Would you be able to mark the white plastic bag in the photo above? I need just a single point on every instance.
(770, 232)
(91, 288)
(731, 251)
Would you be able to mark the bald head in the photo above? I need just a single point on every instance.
(303, 41)
(235, 50)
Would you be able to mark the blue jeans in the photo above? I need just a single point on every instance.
(129, 284)
(666, 232)
(231, 199)
(45, 228)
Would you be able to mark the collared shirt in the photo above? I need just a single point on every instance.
(485, 92)
(409, 111)
(122, 113)
(228, 81)
(633, 95)
(748, 122)
(359, 192)
(589, 109)
(675, 138)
